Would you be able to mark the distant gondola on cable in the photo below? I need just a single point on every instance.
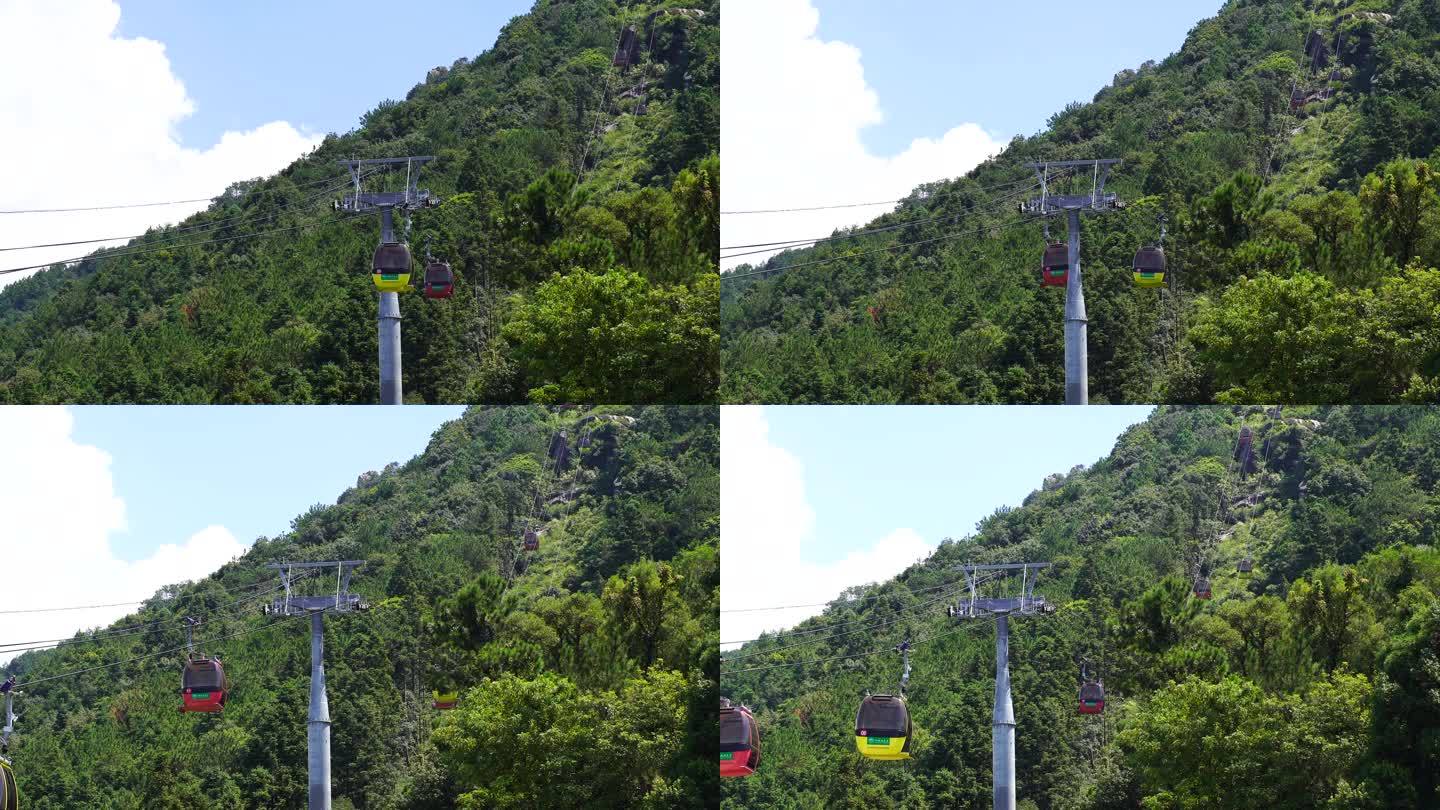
(1246, 565)
(531, 540)
(883, 728)
(1092, 697)
(203, 685)
(739, 740)
(1202, 588)
(439, 280)
(444, 700)
(1055, 267)
(392, 267)
(9, 791)
(1245, 451)
(1150, 266)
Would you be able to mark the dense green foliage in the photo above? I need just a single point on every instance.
(1309, 682)
(1302, 247)
(580, 205)
(587, 670)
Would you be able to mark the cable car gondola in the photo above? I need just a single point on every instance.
(444, 700)
(739, 741)
(1202, 588)
(392, 267)
(9, 791)
(204, 685)
(1092, 698)
(439, 280)
(883, 728)
(1245, 566)
(1055, 267)
(1150, 266)
(532, 540)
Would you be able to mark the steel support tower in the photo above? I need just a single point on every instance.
(411, 199)
(1002, 717)
(9, 727)
(1077, 362)
(341, 601)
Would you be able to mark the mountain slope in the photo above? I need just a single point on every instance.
(580, 199)
(559, 656)
(1308, 682)
(1310, 230)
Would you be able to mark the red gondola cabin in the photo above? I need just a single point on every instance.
(532, 540)
(439, 280)
(1202, 588)
(1055, 268)
(204, 685)
(1092, 698)
(739, 741)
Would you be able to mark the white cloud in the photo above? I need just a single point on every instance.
(90, 119)
(793, 110)
(765, 525)
(58, 509)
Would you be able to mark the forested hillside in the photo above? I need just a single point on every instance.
(586, 669)
(1292, 144)
(577, 161)
(1310, 681)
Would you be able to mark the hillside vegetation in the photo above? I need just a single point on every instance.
(580, 204)
(586, 669)
(1311, 681)
(1292, 144)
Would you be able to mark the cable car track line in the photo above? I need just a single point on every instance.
(985, 207)
(161, 652)
(146, 204)
(955, 586)
(978, 232)
(864, 629)
(226, 610)
(203, 226)
(927, 639)
(123, 252)
(846, 205)
(825, 604)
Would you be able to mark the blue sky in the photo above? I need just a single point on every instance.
(903, 93)
(1005, 66)
(194, 96)
(937, 470)
(319, 64)
(249, 469)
